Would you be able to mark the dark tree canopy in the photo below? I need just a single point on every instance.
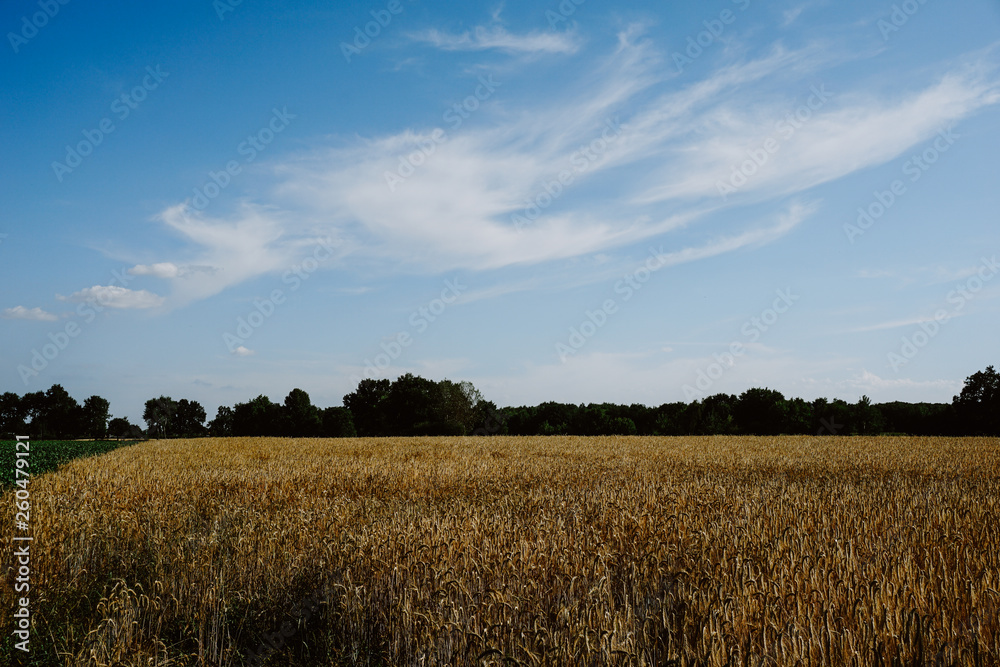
(257, 417)
(189, 419)
(96, 413)
(159, 416)
(979, 403)
(337, 423)
(54, 414)
(121, 428)
(365, 404)
(222, 425)
(302, 418)
(412, 405)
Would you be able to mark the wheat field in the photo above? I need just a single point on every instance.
(518, 551)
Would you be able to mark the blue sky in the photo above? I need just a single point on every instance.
(584, 202)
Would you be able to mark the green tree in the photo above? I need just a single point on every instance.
(257, 417)
(11, 415)
(61, 416)
(412, 406)
(96, 413)
(301, 417)
(120, 427)
(717, 415)
(978, 406)
(366, 404)
(337, 423)
(189, 419)
(621, 426)
(159, 416)
(456, 409)
(488, 420)
(761, 412)
(33, 411)
(867, 418)
(222, 425)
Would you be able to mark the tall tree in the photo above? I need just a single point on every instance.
(189, 419)
(412, 406)
(366, 406)
(222, 425)
(488, 420)
(456, 407)
(62, 416)
(260, 416)
(159, 416)
(11, 415)
(867, 418)
(761, 412)
(301, 417)
(33, 412)
(978, 406)
(120, 427)
(96, 413)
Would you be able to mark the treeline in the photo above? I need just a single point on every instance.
(754, 412)
(55, 415)
(976, 411)
(412, 405)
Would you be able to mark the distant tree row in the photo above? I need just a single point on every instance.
(412, 405)
(54, 414)
(755, 412)
(976, 411)
(296, 417)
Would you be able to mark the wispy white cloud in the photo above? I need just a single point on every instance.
(654, 174)
(160, 270)
(22, 313)
(896, 324)
(497, 37)
(789, 15)
(113, 296)
(243, 351)
(792, 14)
(868, 380)
(254, 241)
(169, 270)
(842, 132)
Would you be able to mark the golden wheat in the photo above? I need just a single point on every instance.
(490, 551)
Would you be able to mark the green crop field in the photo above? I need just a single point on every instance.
(46, 455)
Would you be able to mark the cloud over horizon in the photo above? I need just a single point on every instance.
(520, 189)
